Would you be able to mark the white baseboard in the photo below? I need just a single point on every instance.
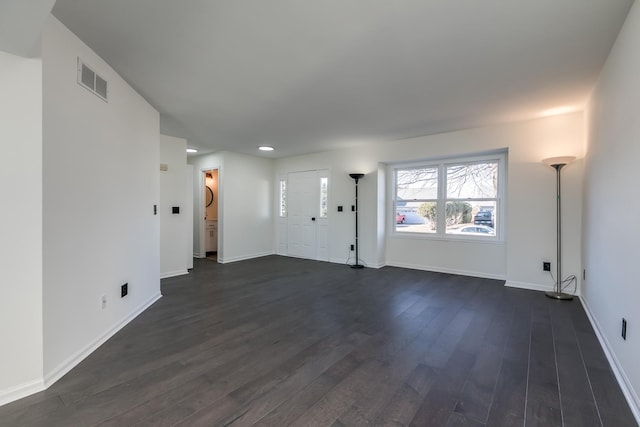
(74, 360)
(244, 257)
(534, 286)
(173, 274)
(376, 266)
(23, 390)
(344, 262)
(529, 286)
(448, 270)
(623, 380)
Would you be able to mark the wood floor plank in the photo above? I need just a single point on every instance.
(296, 405)
(459, 420)
(139, 415)
(543, 392)
(478, 390)
(509, 400)
(339, 399)
(406, 401)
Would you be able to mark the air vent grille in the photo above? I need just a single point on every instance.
(164, 167)
(101, 87)
(92, 81)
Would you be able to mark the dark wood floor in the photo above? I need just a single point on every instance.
(279, 341)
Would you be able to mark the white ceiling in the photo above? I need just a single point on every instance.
(307, 76)
(21, 23)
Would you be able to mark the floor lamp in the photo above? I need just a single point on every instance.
(356, 177)
(558, 163)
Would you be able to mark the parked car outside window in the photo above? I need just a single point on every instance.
(481, 230)
(484, 218)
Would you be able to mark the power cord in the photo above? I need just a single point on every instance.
(564, 284)
(350, 257)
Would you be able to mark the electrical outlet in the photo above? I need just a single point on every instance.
(546, 266)
(624, 329)
(103, 302)
(124, 290)
(352, 247)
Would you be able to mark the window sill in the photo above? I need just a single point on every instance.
(448, 238)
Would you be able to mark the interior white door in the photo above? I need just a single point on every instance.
(303, 194)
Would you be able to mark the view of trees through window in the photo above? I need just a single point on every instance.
(448, 198)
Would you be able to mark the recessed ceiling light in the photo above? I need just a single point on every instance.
(191, 150)
(265, 148)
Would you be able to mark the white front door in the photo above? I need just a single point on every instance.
(303, 194)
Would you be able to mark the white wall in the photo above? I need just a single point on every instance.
(245, 221)
(189, 213)
(101, 180)
(174, 228)
(611, 205)
(246, 207)
(20, 226)
(530, 228)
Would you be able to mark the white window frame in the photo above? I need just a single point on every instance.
(441, 164)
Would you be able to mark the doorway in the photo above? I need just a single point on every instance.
(210, 198)
(307, 217)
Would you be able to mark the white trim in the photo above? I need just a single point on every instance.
(616, 367)
(173, 274)
(535, 287)
(23, 390)
(91, 89)
(74, 360)
(447, 270)
(376, 266)
(244, 257)
(351, 260)
(201, 225)
(529, 286)
(441, 163)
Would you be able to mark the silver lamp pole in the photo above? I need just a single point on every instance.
(558, 163)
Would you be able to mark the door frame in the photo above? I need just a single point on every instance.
(322, 224)
(201, 222)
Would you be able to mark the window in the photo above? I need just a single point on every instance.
(283, 198)
(460, 197)
(324, 192)
(416, 199)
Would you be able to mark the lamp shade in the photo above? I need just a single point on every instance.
(556, 161)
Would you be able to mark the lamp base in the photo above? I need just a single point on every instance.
(357, 266)
(559, 295)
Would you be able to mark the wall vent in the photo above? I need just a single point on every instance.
(164, 167)
(92, 81)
